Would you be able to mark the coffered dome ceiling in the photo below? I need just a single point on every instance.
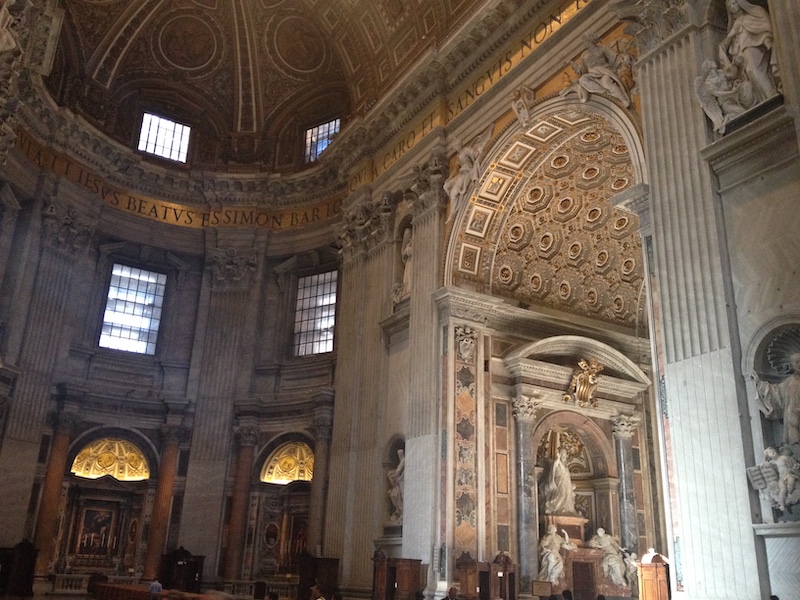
(248, 75)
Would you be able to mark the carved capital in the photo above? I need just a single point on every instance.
(64, 230)
(246, 435)
(67, 423)
(624, 426)
(323, 426)
(651, 21)
(172, 435)
(366, 224)
(427, 189)
(231, 269)
(525, 408)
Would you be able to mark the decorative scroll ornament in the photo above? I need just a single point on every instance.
(232, 269)
(624, 426)
(525, 408)
(584, 381)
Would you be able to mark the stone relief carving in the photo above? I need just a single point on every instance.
(459, 185)
(584, 382)
(63, 229)
(652, 21)
(602, 70)
(776, 479)
(745, 73)
(232, 269)
(466, 343)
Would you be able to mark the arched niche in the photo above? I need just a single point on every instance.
(541, 227)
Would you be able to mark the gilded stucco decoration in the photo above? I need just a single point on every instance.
(114, 457)
(584, 381)
(540, 227)
(291, 462)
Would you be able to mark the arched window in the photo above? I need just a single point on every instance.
(290, 462)
(118, 458)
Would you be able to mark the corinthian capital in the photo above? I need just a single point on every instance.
(525, 408)
(64, 230)
(624, 426)
(232, 269)
(652, 21)
(246, 435)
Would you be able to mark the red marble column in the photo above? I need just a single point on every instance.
(159, 521)
(247, 438)
(47, 520)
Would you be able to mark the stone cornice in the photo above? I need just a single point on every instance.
(534, 322)
(558, 377)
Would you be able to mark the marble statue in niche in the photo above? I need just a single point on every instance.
(550, 559)
(613, 561)
(601, 70)
(557, 492)
(782, 401)
(396, 479)
(403, 289)
(744, 73)
(458, 186)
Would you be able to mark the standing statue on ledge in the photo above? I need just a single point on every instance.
(782, 401)
(550, 558)
(558, 492)
(396, 478)
(749, 44)
(613, 562)
(598, 71)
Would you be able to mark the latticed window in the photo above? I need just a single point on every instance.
(318, 138)
(315, 314)
(291, 462)
(133, 310)
(164, 138)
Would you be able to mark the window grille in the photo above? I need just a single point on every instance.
(315, 314)
(318, 138)
(164, 138)
(133, 310)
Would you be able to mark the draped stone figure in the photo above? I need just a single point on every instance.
(550, 559)
(396, 478)
(598, 70)
(748, 45)
(613, 561)
(782, 401)
(458, 186)
(557, 490)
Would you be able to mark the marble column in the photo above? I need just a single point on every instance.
(247, 437)
(47, 519)
(624, 426)
(162, 503)
(323, 423)
(525, 409)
